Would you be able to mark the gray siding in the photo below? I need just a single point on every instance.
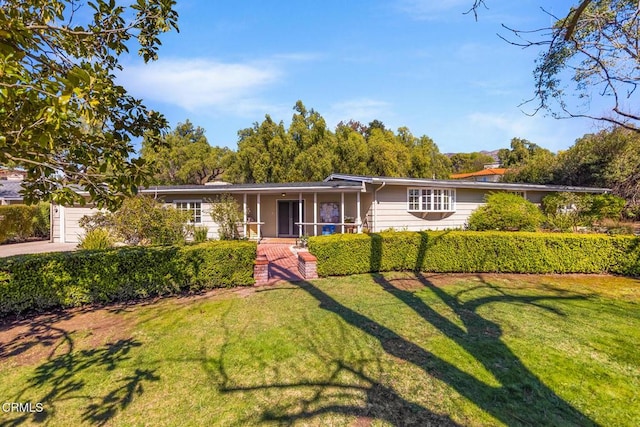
(391, 211)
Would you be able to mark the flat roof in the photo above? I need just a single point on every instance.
(451, 183)
(271, 187)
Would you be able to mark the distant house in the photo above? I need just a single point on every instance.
(12, 174)
(340, 204)
(485, 175)
(10, 192)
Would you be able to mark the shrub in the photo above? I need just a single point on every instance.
(606, 206)
(48, 281)
(474, 252)
(142, 220)
(97, 238)
(569, 210)
(200, 234)
(97, 220)
(42, 220)
(16, 222)
(226, 213)
(506, 212)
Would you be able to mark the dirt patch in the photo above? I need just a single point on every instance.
(30, 341)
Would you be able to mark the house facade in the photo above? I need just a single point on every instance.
(340, 204)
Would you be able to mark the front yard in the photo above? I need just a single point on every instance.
(391, 349)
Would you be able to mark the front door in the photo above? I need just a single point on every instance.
(288, 215)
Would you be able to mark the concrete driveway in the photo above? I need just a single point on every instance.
(35, 248)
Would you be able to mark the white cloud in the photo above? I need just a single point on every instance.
(199, 83)
(361, 109)
(508, 124)
(545, 131)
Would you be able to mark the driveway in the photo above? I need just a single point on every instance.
(35, 248)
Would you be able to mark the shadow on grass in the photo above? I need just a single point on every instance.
(62, 377)
(346, 386)
(521, 398)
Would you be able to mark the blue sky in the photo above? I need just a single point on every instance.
(415, 63)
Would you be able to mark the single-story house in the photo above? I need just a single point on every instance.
(10, 192)
(340, 204)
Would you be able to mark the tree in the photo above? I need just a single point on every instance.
(596, 45)
(610, 158)
(469, 162)
(387, 156)
(63, 117)
(265, 154)
(185, 157)
(225, 212)
(351, 149)
(528, 163)
(426, 161)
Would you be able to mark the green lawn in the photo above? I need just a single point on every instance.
(392, 349)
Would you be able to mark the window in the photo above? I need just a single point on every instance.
(194, 207)
(431, 200)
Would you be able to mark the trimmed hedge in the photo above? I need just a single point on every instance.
(16, 222)
(46, 281)
(475, 252)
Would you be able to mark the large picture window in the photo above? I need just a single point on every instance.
(431, 200)
(194, 207)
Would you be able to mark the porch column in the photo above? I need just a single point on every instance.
(258, 215)
(244, 215)
(315, 214)
(358, 220)
(342, 211)
(300, 214)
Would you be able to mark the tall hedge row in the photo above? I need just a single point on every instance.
(472, 252)
(19, 222)
(46, 281)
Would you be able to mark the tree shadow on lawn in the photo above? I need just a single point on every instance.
(521, 397)
(39, 331)
(60, 378)
(346, 387)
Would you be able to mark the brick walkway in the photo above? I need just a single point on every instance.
(283, 263)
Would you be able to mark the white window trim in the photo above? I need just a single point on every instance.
(190, 208)
(421, 199)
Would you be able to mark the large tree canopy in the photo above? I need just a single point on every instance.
(62, 116)
(185, 157)
(309, 151)
(592, 51)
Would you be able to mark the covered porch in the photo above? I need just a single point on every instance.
(294, 211)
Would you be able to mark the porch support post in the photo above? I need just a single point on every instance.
(244, 215)
(258, 215)
(300, 214)
(358, 220)
(315, 214)
(342, 211)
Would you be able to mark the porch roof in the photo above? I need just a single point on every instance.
(453, 183)
(264, 188)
